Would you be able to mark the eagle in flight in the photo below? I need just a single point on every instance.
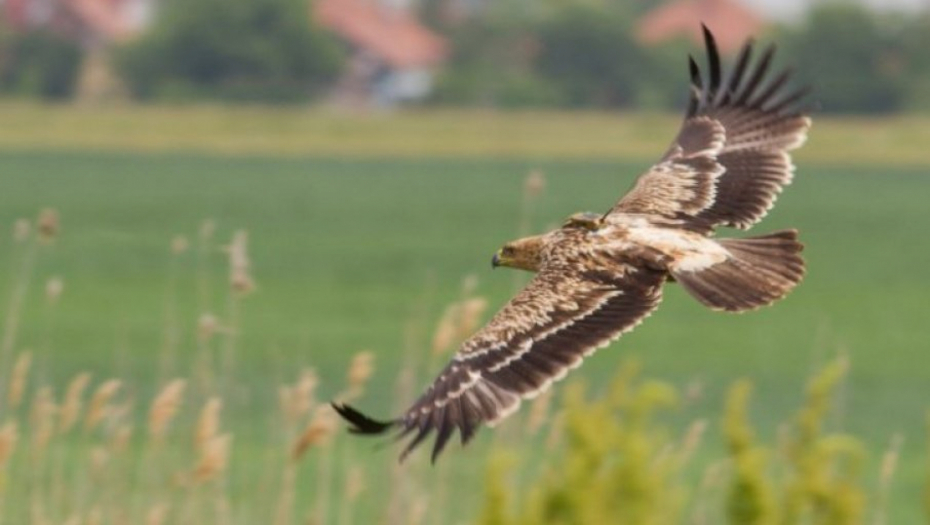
(599, 275)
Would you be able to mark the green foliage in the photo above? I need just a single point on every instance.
(751, 497)
(39, 63)
(851, 59)
(590, 56)
(232, 49)
(820, 473)
(619, 464)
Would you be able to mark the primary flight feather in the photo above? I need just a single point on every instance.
(600, 275)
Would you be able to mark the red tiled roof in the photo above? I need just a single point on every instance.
(731, 22)
(104, 17)
(393, 35)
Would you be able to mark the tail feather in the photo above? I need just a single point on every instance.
(362, 424)
(758, 272)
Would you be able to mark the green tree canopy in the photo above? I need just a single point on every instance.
(238, 49)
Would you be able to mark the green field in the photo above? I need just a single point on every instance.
(347, 249)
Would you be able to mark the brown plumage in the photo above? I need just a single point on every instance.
(599, 276)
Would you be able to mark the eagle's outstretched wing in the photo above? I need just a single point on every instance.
(730, 158)
(564, 314)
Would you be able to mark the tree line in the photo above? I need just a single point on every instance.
(579, 54)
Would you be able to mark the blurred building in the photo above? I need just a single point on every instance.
(394, 56)
(91, 22)
(732, 22)
(94, 24)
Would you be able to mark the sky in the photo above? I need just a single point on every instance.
(787, 9)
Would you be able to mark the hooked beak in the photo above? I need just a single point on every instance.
(496, 260)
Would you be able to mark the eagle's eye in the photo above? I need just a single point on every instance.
(507, 251)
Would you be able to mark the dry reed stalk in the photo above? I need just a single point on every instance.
(214, 458)
(712, 480)
(284, 510)
(539, 411)
(99, 460)
(472, 310)
(122, 436)
(157, 514)
(446, 329)
(179, 244)
(42, 420)
(9, 436)
(204, 250)
(533, 186)
(208, 325)
(22, 229)
(691, 441)
(208, 424)
(95, 516)
(20, 287)
(240, 278)
(318, 432)
(418, 511)
(19, 378)
(48, 225)
(73, 402)
(240, 285)
(54, 286)
(354, 485)
(360, 371)
(164, 408)
(889, 466)
(297, 401)
(100, 403)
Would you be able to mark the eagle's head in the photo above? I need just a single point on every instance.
(524, 254)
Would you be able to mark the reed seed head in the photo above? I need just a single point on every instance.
(165, 407)
(179, 244)
(48, 225)
(207, 229)
(317, 433)
(207, 326)
(73, 402)
(54, 286)
(42, 419)
(157, 514)
(534, 184)
(208, 424)
(22, 229)
(100, 403)
(213, 458)
(19, 378)
(240, 278)
(9, 436)
(360, 371)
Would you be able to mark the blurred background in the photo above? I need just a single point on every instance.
(864, 57)
(218, 215)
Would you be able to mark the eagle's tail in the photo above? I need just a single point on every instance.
(758, 272)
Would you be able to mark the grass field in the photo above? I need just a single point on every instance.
(348, 245)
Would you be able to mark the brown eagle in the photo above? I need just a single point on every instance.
(600, 275)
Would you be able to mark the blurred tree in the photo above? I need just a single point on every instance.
(915, 39)
(590, 55)
(235, 49)
(40, 63)
(850, 57)
(493, 65)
